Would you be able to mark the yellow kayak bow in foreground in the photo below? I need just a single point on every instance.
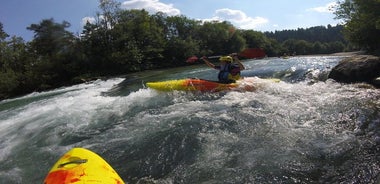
(79, 166)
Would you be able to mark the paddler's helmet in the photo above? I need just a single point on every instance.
(227, 59)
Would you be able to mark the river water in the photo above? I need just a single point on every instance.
(305, 129)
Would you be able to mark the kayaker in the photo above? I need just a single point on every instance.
(229, 71)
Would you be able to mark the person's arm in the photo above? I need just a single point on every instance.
(237, 60)
(208, 63)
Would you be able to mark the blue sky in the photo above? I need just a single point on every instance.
(259, 15)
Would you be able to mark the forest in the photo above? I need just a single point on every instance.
(126, 41)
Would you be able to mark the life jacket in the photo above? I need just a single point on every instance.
(229, 73)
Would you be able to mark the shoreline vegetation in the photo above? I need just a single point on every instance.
(121, 42)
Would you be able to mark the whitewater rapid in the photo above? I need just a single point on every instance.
(304, 129)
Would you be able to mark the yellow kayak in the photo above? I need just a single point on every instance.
(245, 84)
(191, 85)
(81, 166)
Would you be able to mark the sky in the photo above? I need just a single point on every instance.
(258, 15)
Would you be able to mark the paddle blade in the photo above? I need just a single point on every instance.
(192, 59)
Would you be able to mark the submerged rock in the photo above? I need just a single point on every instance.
(359, 68)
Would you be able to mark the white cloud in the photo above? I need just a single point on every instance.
(236, 17)
(152, 6)
(328, 8)
(239, 18)
(91, 20)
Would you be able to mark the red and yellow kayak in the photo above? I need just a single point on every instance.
(191, 84)
(79, 166)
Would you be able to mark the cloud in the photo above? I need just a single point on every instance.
(91, 20)
(236, 17)
(239, 18)
(328, 8)
(152, 6)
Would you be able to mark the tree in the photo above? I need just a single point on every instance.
(236, 42)
(3, 45)
(362, 22)
(3, 35)
(319, 48)
(254, 39)
(108, 17)
(7, 75)
(139, 40)
(55, 48)
(180, 27)
(303, 47)
(181, 34)
(215, 38)
(50, 37)
(13, 58)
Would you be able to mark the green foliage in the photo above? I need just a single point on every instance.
(13, 57)
(216, 38)
(3, 35)
(50, 37)
(8, 83)
(182, 38)
(255, 39)
(314, 40)
(312, 34)
(56, 49)
(362, 22)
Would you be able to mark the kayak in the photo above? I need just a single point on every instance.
(193, 84)
(81, 166)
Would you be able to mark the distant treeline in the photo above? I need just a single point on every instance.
(126, 41)
(313, 34)
(314, 40)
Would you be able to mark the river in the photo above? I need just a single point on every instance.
(304, 129)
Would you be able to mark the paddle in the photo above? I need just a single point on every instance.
(248, 53)
(212, 57)
(194, 59)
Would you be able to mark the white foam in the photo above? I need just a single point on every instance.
(80, 102)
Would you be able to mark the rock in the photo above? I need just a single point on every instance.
(376, 82)
(359, 68)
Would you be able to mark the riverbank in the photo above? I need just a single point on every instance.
(354, 53)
